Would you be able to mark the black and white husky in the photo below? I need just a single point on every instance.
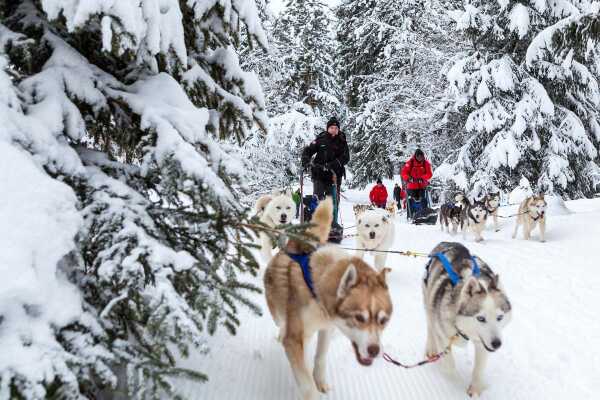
(450, 213)
(465, 303)
(473, 219)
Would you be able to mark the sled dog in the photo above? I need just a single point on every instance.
(361, 208)
(473, 219)
(375, 231)
(450, 213)
(391, 207)
(471, 306)
(273, 210)
(532, 212)
(346, 294)
(492, 203)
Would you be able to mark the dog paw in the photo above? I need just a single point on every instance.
(323, 387)
(475, 390)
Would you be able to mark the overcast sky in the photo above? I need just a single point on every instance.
(277, 5)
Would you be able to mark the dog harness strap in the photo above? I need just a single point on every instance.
(454, 278)
(302, 260)
(476, 272)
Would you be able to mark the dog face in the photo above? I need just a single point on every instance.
(478, 211)
(373, 226)
(493, 200)
(537, 205)
(483, 312)
(363, 311)
(281, 209)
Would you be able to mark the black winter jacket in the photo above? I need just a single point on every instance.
(331, 154)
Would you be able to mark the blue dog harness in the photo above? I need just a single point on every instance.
(454, 277)
(302, 260)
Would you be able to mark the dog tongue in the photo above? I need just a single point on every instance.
(363, 361)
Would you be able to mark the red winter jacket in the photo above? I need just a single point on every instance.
(416, 170)
(378, 194)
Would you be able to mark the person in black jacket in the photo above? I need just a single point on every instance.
(331, 155)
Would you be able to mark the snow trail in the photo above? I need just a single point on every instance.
(549, 348)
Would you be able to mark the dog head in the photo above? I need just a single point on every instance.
(492, 200)
(537, 205)
(478, 211)
(281, 209)
(363, 309)
(483, 312)
(373, 225)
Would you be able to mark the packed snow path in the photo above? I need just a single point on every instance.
(550, 349)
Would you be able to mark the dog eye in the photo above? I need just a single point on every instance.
(366, 225)
(359, 318)
(376, 225)
(278, 207)
(288, 208)
(481, 319)
(500, 317)
(383, 321)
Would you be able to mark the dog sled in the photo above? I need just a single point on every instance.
(310, 203)
(419, 210)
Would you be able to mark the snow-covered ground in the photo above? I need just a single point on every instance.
(550, 349)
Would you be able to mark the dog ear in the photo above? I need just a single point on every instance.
(495, 282)
(382, 275)
(472, 287)
(348, 280)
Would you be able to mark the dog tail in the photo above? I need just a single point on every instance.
(322, 219)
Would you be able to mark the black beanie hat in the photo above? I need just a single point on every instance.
(419, 152)
(333, 121)
(379, 181)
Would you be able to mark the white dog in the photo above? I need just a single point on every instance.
(375, 230)
(273, 210)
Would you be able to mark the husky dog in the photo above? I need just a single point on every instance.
(361, 208)
(346, 293)
(391, 207)
(532, 212)
(473, 218)
(273, 211)
(261, 204)
(375, 231)
(470, 307)
(450, 213)
(492, 203)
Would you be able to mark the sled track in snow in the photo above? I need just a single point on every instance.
(546, 351)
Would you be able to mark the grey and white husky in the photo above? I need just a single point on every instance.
(473, 218)
(471, 307)
(492, 203)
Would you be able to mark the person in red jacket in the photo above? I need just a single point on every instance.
(416, 173)
(378, 195)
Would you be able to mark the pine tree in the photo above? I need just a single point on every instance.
(298, 78)
(531, 104)
(126, 107)
(399, 90)
(302, 34)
